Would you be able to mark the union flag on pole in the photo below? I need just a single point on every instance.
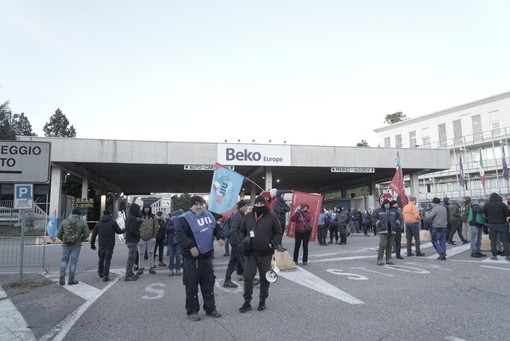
(397, 183)
(482, 171)
(505, 166)
(462, 180)
(225, 188)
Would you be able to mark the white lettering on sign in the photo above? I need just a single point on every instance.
(203, 167)
(352, 170)
(254, 155)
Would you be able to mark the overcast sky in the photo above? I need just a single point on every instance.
(308, 72)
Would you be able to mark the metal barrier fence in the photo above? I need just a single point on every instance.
(22, 252)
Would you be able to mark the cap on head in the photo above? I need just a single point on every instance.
(241, 203)
(196, 199)
(385, 201)
(436, 201)
(76, 211)
(260, 199)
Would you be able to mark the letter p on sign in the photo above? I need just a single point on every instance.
(23, 197)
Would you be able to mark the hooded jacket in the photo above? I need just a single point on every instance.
(267, 232)
(386, 220)
(149, 225)
(464, 211)
(495, 210)
(235, 224)
(106, 228)
(133, 224)
(280, 207)
(301, 218)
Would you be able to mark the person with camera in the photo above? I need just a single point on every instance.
(261, 233)
(303, 231)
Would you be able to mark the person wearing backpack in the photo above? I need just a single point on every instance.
(72, 232)
(476, 220)
(497, 214)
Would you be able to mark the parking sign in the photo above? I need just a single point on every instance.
(23, 196)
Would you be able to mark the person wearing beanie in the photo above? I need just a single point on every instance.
(385, 219)
(195, 231)
(236, 260)
(106, 228)
(261, 232)
(302, 218)
(439, 221)
(72, 232)
(280, 208)
(398, 230)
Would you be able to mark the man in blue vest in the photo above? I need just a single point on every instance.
(194, 231)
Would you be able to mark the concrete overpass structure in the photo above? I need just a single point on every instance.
(139, 167)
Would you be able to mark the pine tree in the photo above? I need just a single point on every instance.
(6, 131)
(58, 126)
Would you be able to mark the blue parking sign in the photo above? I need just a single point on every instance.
(23, 196)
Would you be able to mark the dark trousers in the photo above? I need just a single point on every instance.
(413, 231)
(301, 237)
(263, 264)
(159, 248)
(456, 227)
(398, 241)
(236, 261)
(500, 230)
(343, 233)
(365, 226)
(322, 235)
(132, 253)
(282, 224)
(195, 272)
(105, 257)
(333, 232)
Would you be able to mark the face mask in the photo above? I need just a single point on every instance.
(260, 210)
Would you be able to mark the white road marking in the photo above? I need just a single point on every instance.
(373, 271)
(453, 251)
(494, 267)
(405, 268)
(12, 324)
(81, 289)
(60, 331)
(453, 338)
(309, 280)
(152, 289)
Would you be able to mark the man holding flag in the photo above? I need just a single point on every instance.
(397, 183)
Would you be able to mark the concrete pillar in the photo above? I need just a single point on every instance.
(103, 205)
(253, 193)
(84, 188)
(415, 185)
(55, 190)
(269, 178)
(116, 205)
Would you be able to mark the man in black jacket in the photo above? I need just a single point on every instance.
(132, 239)
(236, 258)
(194, 231)
(261, 232)
(280, 208)
(106, 228)
(497, 213)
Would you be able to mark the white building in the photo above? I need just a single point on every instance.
(465, 130)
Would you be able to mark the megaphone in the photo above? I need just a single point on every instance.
(271, 276)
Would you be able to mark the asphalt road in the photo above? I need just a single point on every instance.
(340, 295)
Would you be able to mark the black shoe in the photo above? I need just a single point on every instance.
(501, 253)
(229, 284)
(476, 255)
(73, 282)
(453, 243)
(465, 242)
(100, 275)
(130, 278)
(214, 314)
(256, 282)
(304, 263)
(420, 254)
(262, 306)
(62, 280)
(400, 257)
(246, 307)
(410, 254)
(481, 254)
(330, 242)
(441, 257)
(494, 257)
(106, 278)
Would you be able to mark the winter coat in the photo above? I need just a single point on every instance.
(438, 216)
(235, 225)
(383, 218)
(302, 218)
(81, 225)
(149, 225)
(133, 224)
(455, 213)
(106, 228)
(495, 211)
(267, 233)
(464, 210)
(280, 207)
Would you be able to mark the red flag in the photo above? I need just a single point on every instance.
(397, 183)
(314, 202)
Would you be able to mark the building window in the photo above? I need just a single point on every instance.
(425, 137)
(441, 130)
(387, 143)
(477, 128)
(412, 139)
(457, 133)
(495, 127)
(398, 141)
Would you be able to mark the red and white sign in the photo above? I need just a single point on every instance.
(385, 196)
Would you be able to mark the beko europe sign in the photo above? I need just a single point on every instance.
(253, 155)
